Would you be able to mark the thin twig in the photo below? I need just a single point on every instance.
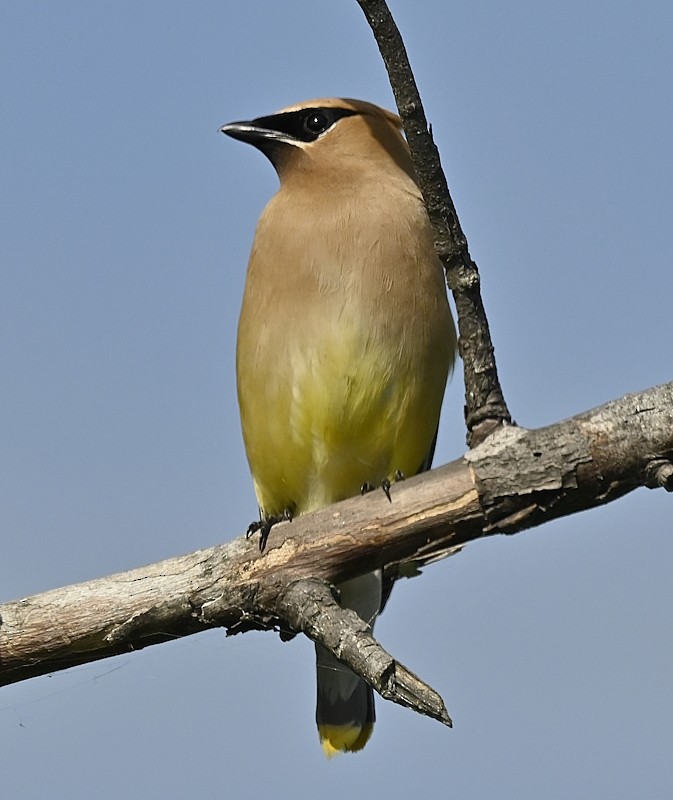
(485, 407)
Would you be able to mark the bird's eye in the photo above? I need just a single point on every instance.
(316, 123)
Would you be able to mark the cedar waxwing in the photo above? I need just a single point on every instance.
(345, 340)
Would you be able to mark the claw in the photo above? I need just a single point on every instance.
(385, 485)
(264, 526)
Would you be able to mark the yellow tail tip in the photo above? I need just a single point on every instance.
(337, 739)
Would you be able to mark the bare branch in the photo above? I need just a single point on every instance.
(485, 406)
(308, 606)
(517, 479)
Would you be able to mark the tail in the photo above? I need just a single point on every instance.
(345, 712)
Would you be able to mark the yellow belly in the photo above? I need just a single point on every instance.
(338, 412)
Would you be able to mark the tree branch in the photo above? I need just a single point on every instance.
(515, 480)
(485, 407)
(308, 606)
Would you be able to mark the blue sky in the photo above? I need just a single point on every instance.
(126, 224)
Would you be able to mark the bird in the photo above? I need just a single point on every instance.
(345, 341)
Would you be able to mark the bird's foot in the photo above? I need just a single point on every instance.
(385, 485)
(264, 526)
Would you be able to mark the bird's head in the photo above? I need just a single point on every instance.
(328, 136)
